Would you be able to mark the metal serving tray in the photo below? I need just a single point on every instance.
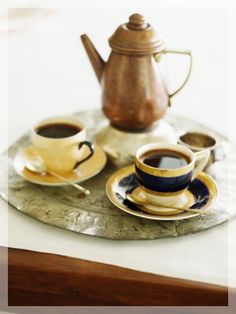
(94, 215)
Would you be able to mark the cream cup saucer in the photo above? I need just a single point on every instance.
(201, 195)
(85, 171)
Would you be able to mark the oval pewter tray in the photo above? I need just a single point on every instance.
(63, 207)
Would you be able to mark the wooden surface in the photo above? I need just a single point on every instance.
(47, 279)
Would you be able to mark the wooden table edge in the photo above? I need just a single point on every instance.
(36, 278)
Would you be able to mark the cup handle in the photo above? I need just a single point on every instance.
(201, 159)
(91, 152)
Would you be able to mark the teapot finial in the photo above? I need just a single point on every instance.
(137, 22)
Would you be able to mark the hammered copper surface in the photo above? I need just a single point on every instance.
(94, 215)
(134, 91)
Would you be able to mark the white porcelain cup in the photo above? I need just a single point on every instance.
(63, 154)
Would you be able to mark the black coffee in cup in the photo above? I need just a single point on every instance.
(57, 130)
(164, 159)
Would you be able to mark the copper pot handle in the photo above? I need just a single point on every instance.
(157, 57)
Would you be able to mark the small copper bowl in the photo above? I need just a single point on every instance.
(197, 141)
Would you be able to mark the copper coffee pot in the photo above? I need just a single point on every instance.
(134, 93)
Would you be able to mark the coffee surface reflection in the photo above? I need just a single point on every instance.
(164, 159)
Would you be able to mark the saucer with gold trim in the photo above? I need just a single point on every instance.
(85, 171)
(201, 195)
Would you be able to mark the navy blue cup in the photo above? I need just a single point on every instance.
(167, 182)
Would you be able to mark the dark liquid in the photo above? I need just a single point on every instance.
(58, 130)
(165, 159)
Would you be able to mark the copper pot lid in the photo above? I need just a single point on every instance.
(136, 37)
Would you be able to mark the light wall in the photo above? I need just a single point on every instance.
(49, 72)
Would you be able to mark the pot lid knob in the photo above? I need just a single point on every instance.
(136, 37)
(137, 22)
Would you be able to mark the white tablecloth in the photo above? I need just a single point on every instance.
(49, 74)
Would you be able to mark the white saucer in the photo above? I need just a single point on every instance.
(87, 170)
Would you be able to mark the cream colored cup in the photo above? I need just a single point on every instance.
(62, 155)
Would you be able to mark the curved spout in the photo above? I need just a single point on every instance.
(96, 60)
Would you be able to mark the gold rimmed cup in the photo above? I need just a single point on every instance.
(65, 153)
(166, 185)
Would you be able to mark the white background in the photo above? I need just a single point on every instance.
(49, 74)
